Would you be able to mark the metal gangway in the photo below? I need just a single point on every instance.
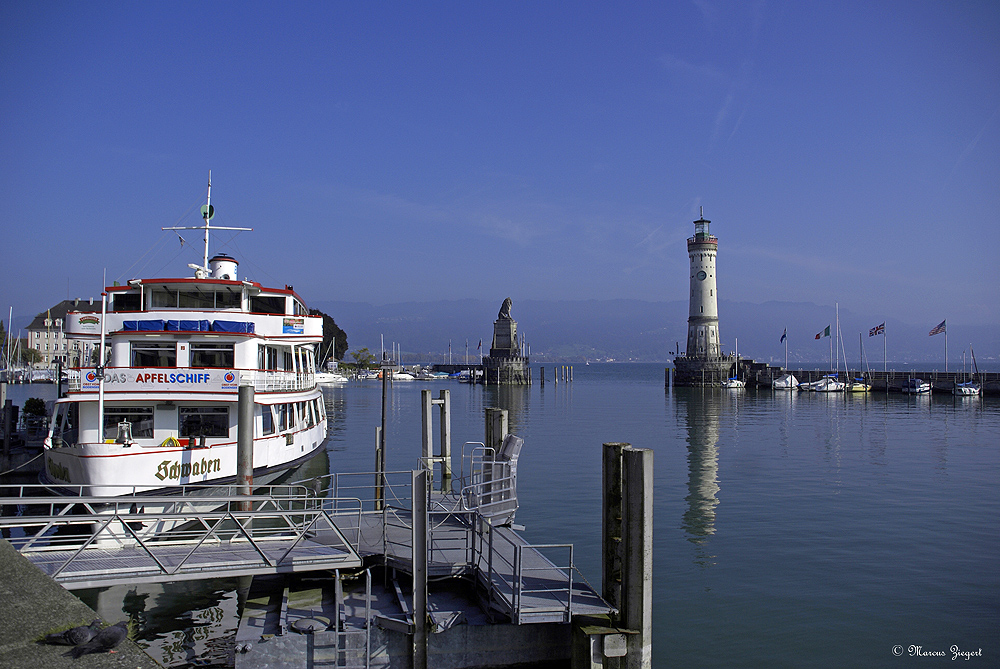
(470, 535)
(205, 532)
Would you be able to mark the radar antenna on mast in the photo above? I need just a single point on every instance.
(207, 212)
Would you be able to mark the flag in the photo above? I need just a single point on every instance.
(824, 333)
(785, 332)
(877, 330)
(937, 330)
(480, 345)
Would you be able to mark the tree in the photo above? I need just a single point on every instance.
(30, 356)
(332, 333)
(363, 357)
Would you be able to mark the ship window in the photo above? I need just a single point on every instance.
(227, 299)
(212, 355)
(65, 426)
(127, 302)
(267, 420)
(197, 300)
(204, 421)
(153, 354)
(282, 412)
(141, 419)
(267, 304)
(162, 298)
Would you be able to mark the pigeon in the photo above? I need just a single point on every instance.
(105, 640)
(74, 636)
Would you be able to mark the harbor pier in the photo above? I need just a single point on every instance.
(389, 569)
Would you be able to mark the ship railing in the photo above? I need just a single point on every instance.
(265, 381)
(262, 380)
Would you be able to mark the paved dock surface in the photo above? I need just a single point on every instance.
(33, 605)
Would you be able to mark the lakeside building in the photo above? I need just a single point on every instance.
(47, 335)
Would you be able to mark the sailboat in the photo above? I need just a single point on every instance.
(831, 383)
(735, 381)
(970, 387)
(786, 381)
(859, 385)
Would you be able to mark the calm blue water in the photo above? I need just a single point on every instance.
(790, 529)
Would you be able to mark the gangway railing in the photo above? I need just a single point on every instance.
(525, 582)
(91, 541)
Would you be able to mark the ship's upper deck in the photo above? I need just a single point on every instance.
(200, 305)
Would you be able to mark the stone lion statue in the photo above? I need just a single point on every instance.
(505, 309)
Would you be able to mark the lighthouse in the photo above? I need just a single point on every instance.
(703, 362)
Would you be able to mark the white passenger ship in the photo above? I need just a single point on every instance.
(179, 350)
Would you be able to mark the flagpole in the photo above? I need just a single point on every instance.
(945, 349)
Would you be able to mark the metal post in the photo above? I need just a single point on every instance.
(379, 470)
(426, 428)
(244, 443)
(445, 402)
(419, 523)
(611, 525)
(8, 414)
(637, 507)
(627, 547)
(380, 451)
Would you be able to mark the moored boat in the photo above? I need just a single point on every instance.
(858, 385)
(966, 388)
(785, 382)
(161, 413)
(916, 387)
(829, 384)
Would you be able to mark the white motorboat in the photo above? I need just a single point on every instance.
(330, 378)
(966, 389)
(162, 412)
(828, 381)
(785, 382)
(733, 383)
(917, 387)
(829, 384)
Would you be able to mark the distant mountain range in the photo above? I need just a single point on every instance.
(636, 330)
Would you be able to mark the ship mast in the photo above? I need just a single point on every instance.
(207, 212)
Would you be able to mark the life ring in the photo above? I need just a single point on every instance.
(171, 442)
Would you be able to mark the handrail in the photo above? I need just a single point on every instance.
(173, 527)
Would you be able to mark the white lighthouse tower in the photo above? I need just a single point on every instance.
(703, 362)
(703, 307)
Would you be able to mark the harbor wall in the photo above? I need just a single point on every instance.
(881, 380)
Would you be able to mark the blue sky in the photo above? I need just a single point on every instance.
(845, 151)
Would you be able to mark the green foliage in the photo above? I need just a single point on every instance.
(30, 356)
(34, 406)
(363, 358)
(332, 333)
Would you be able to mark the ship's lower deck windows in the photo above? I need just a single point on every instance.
(204, 422)
(141, 419)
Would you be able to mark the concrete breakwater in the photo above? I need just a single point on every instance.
(881, 381)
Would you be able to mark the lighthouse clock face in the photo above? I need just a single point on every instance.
(701, 275)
